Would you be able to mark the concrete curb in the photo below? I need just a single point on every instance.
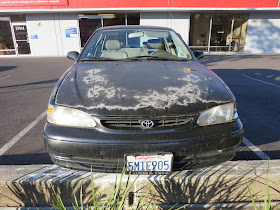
(192, 206)
(226, 183)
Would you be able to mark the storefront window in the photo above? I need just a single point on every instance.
(90, 22)
(113, 19)
(199, 31)
(239, 32)
(18, 18)
(6, 40)
(226, 32)
(133, 18)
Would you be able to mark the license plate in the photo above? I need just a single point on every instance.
(149, 164)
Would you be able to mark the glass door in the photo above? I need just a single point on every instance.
(221, 32)
(21, 39)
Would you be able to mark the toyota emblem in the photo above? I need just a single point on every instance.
(147, 123)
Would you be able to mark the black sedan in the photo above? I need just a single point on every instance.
(137, 97)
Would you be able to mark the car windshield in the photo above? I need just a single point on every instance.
(135, 44)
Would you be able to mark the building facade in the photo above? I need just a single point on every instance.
(55, 27)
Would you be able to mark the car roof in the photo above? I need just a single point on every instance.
(133, 27)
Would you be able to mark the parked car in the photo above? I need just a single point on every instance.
(137, 97)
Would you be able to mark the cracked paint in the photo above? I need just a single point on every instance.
(107, 88)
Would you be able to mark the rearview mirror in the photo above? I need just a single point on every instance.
(73, 55)
(159, 34)
(136, 34)
(198, 54)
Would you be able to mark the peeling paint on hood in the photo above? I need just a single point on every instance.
(150, 88)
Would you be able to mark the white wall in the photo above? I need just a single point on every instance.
(52, 40)
(263, 33)
(69, 44)
(179, 21)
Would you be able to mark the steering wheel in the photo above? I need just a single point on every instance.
(163, 53)
(159, 53)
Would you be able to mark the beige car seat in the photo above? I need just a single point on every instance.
(113, 51)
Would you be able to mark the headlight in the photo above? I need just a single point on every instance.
(218, 114)
(69, 117)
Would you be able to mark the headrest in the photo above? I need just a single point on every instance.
(113, 45)
(154, 44)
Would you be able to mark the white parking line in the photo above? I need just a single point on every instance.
(5, 77)
(14, 140)
(255, 149)
(260, 80)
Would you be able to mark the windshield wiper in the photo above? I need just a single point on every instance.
(98, 59)
(141, 57)
(149, 57)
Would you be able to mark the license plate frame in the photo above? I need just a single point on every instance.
(147, 161)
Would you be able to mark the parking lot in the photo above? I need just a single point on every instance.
(26, 84)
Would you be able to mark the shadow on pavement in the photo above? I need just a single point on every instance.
(257, 95)
(31, 83)
(25, 159)
(7, 68)
(209, 60)
(266, 75)
(27, 89)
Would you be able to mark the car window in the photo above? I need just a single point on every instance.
(127, 44)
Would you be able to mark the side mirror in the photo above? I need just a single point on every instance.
(73, 55)
(198, 54)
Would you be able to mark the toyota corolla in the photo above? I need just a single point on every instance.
(137, 97)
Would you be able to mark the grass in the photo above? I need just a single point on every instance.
(254, 197)
(115, 201)
(267, 199)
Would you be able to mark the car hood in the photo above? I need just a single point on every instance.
(144, 88)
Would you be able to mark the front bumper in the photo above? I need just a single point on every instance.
(104, 150)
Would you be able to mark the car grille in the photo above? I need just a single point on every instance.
(135, 123)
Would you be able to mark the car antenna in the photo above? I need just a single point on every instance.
(171, 15)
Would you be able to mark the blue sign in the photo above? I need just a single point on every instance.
(71, 32)
(35, 36)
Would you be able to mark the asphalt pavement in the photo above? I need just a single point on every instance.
(27, 82)
(25, 87)
(255, 81)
